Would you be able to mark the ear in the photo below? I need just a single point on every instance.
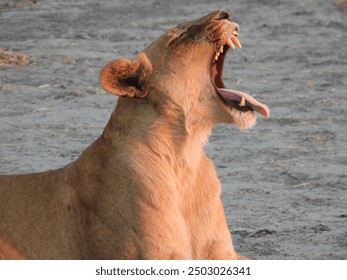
(124, 77)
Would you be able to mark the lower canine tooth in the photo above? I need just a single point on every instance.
(242, 102)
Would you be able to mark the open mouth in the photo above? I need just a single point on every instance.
(238, 100)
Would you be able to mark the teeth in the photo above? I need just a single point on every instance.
(236, 41)
(230, 43)
(218, 53)
(242, 102)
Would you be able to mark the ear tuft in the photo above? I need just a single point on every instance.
(124, 77)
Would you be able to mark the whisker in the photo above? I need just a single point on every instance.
(245, 55)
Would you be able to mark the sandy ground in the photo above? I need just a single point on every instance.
(284, 182)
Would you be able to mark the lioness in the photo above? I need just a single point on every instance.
(144, 189)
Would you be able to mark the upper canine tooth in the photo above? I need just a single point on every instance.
(236, 41)
(230, 43)
(242, 102)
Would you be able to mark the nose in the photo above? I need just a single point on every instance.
(220, 14)
(224, 14)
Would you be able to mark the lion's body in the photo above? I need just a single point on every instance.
(134, 202)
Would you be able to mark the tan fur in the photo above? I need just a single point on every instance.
(145, 189)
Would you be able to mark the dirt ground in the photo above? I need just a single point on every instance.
(284, 181)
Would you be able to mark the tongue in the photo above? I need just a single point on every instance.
(251, 102)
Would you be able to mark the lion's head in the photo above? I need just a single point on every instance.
(184, 67)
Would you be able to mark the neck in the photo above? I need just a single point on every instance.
(165, 130)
